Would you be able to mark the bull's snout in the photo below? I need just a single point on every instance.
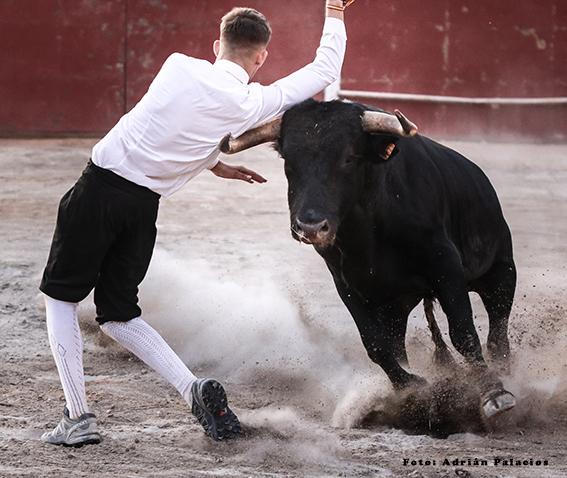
(314, 231)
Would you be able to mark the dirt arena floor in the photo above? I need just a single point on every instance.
(238, 299)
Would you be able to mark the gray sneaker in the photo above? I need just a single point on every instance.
(73, 431)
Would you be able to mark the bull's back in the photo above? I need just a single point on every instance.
(464, 201)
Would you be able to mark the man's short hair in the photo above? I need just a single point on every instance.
(244, 28)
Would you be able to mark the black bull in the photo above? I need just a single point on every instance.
(425, 224)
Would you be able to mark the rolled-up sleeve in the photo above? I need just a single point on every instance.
(312, 78)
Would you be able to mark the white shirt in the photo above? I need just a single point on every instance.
(174, 132)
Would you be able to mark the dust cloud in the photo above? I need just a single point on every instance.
(249, 330)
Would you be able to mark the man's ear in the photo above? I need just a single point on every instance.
(216, 47)
(261, 58)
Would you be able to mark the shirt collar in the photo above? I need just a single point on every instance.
(233, 69)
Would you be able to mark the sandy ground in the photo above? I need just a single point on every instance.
(240, 300)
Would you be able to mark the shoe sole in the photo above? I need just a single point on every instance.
(87, 440)
(209, 400)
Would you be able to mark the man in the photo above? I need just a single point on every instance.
(105, 231)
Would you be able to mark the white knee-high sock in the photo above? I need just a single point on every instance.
(143, 341)
(67, 348)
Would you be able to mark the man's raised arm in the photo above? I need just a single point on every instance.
(315, 77)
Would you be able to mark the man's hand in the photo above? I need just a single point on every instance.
(225, 171)
(336, 8)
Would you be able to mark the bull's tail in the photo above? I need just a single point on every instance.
(442, 354)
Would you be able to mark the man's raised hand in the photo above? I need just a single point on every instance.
(339, 5)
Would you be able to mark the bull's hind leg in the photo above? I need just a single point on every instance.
(442, 356)
(496, 289)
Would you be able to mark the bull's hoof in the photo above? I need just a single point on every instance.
(495, 402)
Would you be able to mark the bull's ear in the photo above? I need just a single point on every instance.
(378, 147)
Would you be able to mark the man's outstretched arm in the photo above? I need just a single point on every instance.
(315, 77)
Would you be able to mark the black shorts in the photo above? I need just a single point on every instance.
(104, 239)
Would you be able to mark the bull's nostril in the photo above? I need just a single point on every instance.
(320, 229)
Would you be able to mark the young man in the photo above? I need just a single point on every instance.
(105, 231)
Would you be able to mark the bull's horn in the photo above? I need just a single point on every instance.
(262, 134)
(386, 123)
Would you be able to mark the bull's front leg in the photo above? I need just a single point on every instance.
(376, 336)
(448, 282)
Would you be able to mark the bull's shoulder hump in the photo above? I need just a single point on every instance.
(422, 148)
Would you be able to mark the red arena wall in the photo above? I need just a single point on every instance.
(74, 66)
